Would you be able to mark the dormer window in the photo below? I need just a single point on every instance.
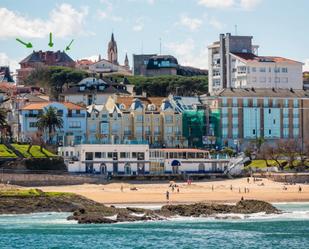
(101, 87)
(82, 88)
(122, 107)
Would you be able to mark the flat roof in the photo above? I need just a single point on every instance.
(181, 150)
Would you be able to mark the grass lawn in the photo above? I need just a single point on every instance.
(31, 193)
(262, 164)
(34, 151)
(6, 152)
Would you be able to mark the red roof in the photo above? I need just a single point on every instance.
(41, 105)
(253, 57)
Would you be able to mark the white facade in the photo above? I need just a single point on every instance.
(265, 73)
(108, 159)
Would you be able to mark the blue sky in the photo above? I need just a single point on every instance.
(185, 27)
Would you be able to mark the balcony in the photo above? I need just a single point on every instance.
(75, 115)
(31, 115)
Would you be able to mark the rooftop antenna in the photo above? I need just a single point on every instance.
(142, 48)
(160, 46)
(235, 29)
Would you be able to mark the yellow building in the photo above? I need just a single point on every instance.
(136, 120)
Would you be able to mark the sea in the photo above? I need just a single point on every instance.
(51, 230)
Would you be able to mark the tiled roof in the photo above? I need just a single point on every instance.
(264, 92)
(254, 58)
(41, 105)
(127, 101)
(39, 56)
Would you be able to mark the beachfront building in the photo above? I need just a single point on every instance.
(107, 159)
(184, 161)
(234, 62)
(73, 116)
(93, 91)
(136, 120)
(195, 119)
(246, 115)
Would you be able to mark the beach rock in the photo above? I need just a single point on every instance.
(208, 209)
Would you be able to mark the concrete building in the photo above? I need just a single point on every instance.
(73, 116)
(248, 114)
(107, 159)
(234, 62)
(94, 91)
(156, 65)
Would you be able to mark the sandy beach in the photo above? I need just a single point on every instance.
(210, 191)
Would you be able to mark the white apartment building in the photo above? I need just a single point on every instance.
(234, 63)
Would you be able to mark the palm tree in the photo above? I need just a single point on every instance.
(50, 121)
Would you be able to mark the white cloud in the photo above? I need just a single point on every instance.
(216, 23)
(306, 66)
(224, 4)
(191, 23)
(107, 13)
(217, 3)
(6, 61)
(63, 21)
(139, 24)
(249, 4)
(188, 54)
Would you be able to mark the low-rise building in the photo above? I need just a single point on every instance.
(73, 116)
(107, 159)
(92, 90)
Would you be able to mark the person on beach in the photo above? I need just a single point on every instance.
(245, 190)
(212, 188)
(299, 189)
(178, 190)
(121, 188)
(231, 187)
(167, 196)
(248, 180)
(239, 191)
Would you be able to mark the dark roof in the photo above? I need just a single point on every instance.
(162, 61)
(55, 57)
(263, 92)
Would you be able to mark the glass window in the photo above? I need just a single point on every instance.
(245, 102)
(97, 154)
(262, 69)
(110, 154)
(139, 118)
(284, 70)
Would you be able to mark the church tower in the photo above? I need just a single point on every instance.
(112, 52)
(126, 62)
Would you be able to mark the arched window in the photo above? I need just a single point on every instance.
(103, 169)
(127, 169)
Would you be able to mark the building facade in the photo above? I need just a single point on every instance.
(39, 59)
(249, 114)
(234, 62)
(136, 120)
(73, 116)
(93, 91)
(107, 159)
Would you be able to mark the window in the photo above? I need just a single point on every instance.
(295, 103)
(269, 111)
(74, 124)
(134, 155)
(59, 112)
(169, 119)
(139, 118)
(269, 132)
(169, 129)
(245, 102)
(253, 131)
(124, 154)
(277, 70)
(33, 125)
(104, 116)
(110, 154)
(262, 69)
(97, 155)
(284, 70)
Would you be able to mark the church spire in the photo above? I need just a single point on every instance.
(112, 51)
(126, 62)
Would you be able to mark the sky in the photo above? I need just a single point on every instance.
(184, 28)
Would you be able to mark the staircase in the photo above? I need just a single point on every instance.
(20, 155)
(234, 163)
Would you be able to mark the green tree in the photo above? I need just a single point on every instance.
(49, 121)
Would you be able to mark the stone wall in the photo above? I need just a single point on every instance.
(286, 177)
(47, 179)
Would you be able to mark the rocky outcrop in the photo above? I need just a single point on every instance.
(209, 209)
(86, 211)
